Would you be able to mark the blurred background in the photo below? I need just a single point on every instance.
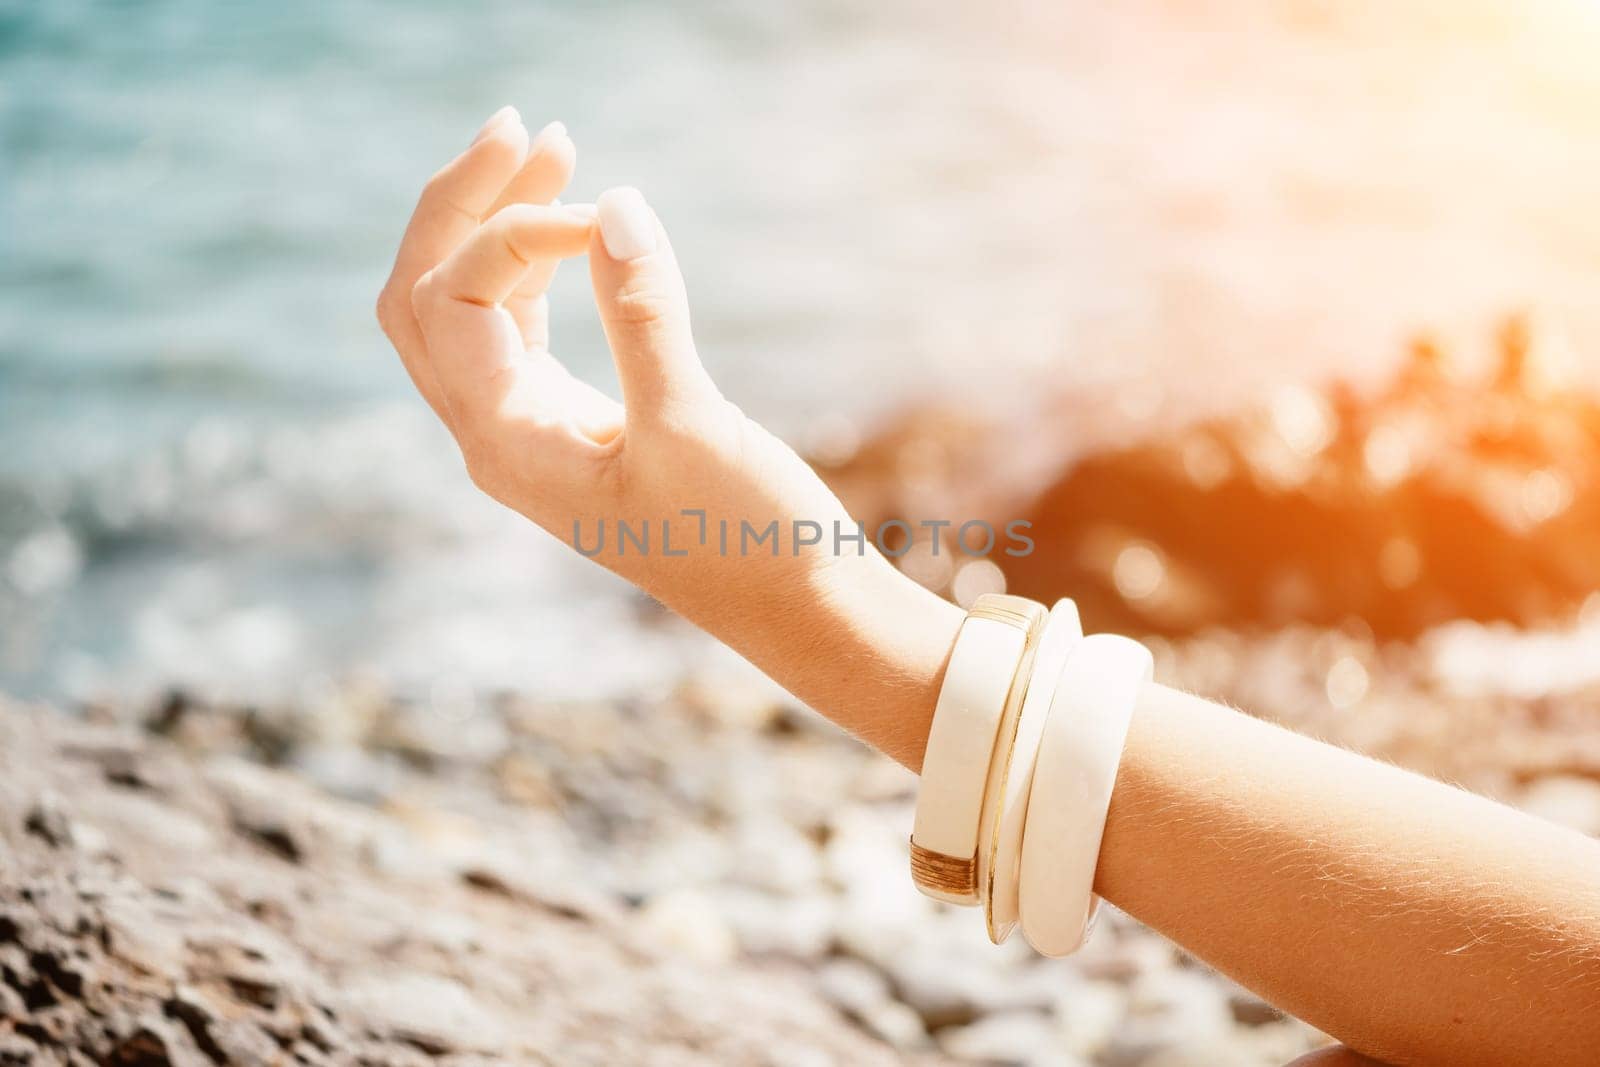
(1276, 318)
(211, 461)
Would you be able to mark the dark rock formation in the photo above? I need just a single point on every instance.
(1433, 500)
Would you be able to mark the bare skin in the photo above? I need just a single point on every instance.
(1416, 923)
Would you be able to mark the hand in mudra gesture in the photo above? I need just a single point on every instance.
(465, 307)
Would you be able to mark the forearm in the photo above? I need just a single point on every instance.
(1416, 922)
(897, 634)
(1412, 920)
(849, 636)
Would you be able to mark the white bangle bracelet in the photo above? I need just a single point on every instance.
(1072, 782)
(1011, 770)
(955, 769)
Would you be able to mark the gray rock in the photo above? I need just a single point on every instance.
(437, 1015)
(687, 921)
(862, 993)
(1088, 1014)
(1170, 1009)
(136, 935)
(1026, 1039)
(49, 820)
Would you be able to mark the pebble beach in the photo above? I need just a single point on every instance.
(310, 755)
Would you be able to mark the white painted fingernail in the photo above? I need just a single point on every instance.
(627, 225)
(495, 121)
(554, 129)
(583, 211)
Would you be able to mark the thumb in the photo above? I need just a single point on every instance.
(643, 306)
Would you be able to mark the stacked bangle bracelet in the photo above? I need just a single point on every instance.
(1011, 769)
(1072, 781)
(1020, 764)
(977, 686)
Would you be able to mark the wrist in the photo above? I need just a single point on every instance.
(892, 638)
(849, 636)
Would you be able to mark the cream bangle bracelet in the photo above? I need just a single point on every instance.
(955, 769)
(1072, 782)
(1011, 770)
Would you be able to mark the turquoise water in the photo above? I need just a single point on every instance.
(202, 432)
(212, 469)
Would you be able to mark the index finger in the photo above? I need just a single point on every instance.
(448, 211)
(459, 195)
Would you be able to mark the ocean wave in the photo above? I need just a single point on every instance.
(257, 562)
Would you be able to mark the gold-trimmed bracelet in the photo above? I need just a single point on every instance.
(973, 700)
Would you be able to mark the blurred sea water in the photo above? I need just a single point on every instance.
(213, 471)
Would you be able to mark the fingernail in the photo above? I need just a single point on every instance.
(627, 225)
(583, 211)
(552, 134)
(494, 122)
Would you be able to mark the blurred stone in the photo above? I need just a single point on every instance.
(1026, 1039)
(264, 809)
(525, 780)
(437, 1015)
(862, 993)
(798, 926)
(742, 699)
(347, 771)
(146, 818)
(885, 780)
(226, 954)
(1088, 1014)
(1273, 1045)
(772, 854)
(1250, 1010)
(440, 733)
(48, 819)
(1170, 1009)
(1124, 958)
(135, 935)
(514, 874)
(948, 987)
(1566, 800)
(687, 921)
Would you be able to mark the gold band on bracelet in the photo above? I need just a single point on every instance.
(1011, 772)
(935, 870)
(1011, 610)
(999, 769)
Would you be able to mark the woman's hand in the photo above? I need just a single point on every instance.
(679, 465)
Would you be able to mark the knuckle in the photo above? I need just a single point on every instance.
(424, 293)
(390, 310)
(433, 189)
(484, 454)
(438, 194)
(481, 472)
(514, 214)
(642, 305)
